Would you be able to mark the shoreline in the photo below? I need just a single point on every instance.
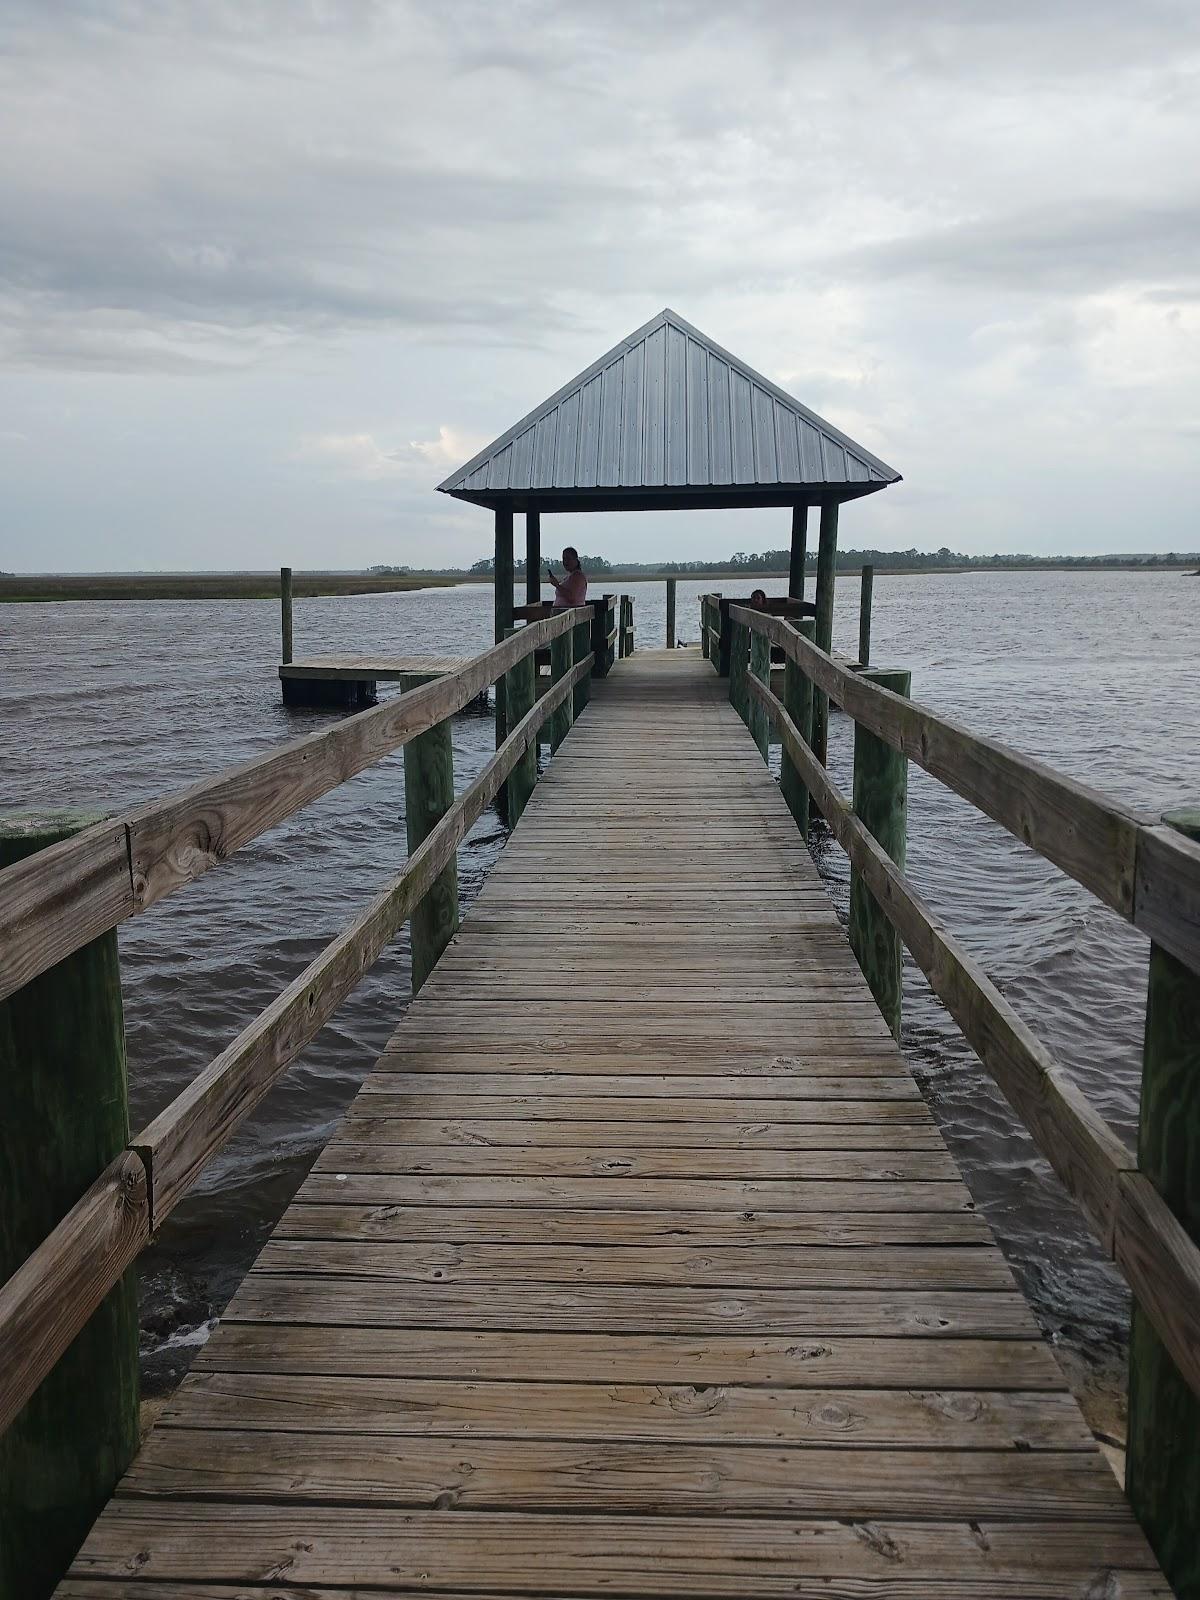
(49, 588)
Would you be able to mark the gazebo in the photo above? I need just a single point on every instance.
(663, 421)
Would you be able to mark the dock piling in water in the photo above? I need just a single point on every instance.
(428, 795)
(671, 613)
(285, 607)
(881, 804)
(65, 1118)
(520, 694)
(798, 703)
(866, 588)
(1163, 1472)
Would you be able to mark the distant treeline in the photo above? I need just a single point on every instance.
(777, 561)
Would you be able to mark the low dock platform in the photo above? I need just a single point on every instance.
(638, 1267)
(350, 681)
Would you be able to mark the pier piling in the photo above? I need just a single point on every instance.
(671, 613)
(1163, 1473)
(65, 1118)
(428, 795)
(881, 804)
(285, 607)
(798, 703)
(866, 589)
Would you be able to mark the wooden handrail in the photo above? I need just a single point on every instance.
(1148, 873)
(1133, 1223)
(50, 1298)
(60, 898)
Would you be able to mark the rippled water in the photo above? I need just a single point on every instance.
(105, 704)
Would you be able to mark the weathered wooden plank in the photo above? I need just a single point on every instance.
(603, 1357)
(533, 1225)
(565, 1101)
(801, 1313)
(746, 1265)
(387, 1155)
(646, 1479)
(711, 1413)
(560, 1554)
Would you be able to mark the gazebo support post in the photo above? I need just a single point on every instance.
(502, 573)
(799, 552)
(826, 563)
(533, 556)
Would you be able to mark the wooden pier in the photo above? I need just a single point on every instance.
(638, 1266)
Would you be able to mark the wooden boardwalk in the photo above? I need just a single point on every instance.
(638, 1267)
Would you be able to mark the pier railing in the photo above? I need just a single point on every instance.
(56, 903)
(1144, 1207)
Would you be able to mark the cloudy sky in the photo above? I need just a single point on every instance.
(269, 270)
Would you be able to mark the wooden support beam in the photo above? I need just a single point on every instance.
(798, 703)
(428, 795)
(760, 665)
(285, 608)
(799, 552)
(881, 804)
(533, 556)
(1163, 1463)
(520, 694)
(64, 1120)
(671, 582)
(865, 591)
(823, 635)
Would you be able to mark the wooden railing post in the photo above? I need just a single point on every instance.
(760, 666)
(428, 795)
(519, 696)
(65, 1117)
(881, 804)
(285, 609)
(864, 616)
(739, 651)
(704, 605)
(671, 613)
(581, 634)
(562, 659)
(798, 703)
(1163, 1459)
(630, 631)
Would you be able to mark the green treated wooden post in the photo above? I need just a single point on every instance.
(881, 802)
(285, 608)
(823, 635)
(739, 650)
(502, 573)
(798, 703)
(704, 626)
(519, 698)
(671, 582)
(581, 634)
(799, 552)
(562, 654)
(760, 666)
(1163, 1458)
(866, 588)
(428, 795)
(64, 1118)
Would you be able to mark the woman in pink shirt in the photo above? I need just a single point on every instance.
(572, 591)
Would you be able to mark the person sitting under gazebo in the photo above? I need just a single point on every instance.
(572, 590)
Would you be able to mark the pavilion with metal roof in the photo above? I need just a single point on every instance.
(667, 420)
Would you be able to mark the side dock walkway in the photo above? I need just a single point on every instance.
(638, 1266)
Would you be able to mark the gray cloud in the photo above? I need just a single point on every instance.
(951, 226)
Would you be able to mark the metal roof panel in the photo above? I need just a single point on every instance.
(668, 408)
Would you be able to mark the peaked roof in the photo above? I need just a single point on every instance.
(668, 419)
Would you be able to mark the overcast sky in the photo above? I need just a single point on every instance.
(268, 271)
